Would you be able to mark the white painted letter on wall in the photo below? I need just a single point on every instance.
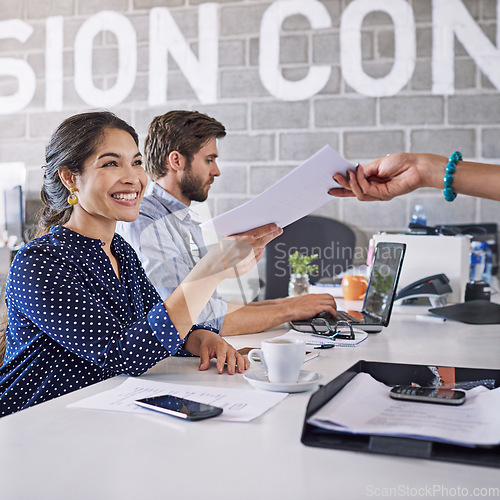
(54, 63)
(20, 70)
(122, 28)
(269, 51)
(165, 37)
(449, 18)
(404, 40)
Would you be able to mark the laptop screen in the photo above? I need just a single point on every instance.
(384, 279)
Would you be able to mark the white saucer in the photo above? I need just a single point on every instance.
(307, 380)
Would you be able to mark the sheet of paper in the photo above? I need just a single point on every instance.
(299, 193)
(364, 406)
(238, 406)
(317, 340)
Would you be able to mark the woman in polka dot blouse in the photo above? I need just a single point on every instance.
(80, 307)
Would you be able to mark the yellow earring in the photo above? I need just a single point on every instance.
(72, 198)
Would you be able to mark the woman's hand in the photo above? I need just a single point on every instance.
(236, 255)
(230, 258)
(386, 177)
(208, 345)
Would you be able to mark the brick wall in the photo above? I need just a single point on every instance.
(269, 133)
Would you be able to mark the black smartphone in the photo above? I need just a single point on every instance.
(179, 407)
(428, 394)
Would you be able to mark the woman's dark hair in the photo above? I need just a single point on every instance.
(183, 131)
(70, 145)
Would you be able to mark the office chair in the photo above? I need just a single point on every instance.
(332, 240)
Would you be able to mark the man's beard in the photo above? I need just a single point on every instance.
(191, 186)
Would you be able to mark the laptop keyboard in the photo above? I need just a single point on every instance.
(341, 315)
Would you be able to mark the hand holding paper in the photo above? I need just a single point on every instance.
(296, 195)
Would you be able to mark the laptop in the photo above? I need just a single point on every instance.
(379, 298)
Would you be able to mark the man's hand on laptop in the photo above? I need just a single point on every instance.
(308, 306)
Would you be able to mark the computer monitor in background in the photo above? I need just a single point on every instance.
(32, 207)
(14, 216)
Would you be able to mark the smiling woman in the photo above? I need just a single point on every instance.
(80, 307)
(70, 147)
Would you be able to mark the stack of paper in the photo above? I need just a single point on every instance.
(299, 193)
(364, 406)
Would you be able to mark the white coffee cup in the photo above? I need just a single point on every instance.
(281, 358)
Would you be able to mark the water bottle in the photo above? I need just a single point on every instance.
(419, 216)
(478, 287)
(488, 263)
(477, 261)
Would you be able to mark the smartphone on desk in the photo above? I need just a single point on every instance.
(179, 407)
(428, 394)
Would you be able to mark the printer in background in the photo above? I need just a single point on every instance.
(428, 255)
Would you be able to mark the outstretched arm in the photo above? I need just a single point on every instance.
(238, 253)
(400, 173)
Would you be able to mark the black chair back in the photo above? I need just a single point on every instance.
(332, 240)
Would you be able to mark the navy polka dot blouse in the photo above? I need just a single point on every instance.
(73, 323)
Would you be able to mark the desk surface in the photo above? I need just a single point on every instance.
(52, 452)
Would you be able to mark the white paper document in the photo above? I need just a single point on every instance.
(318, 340)
(238, 406)
(296, 195)
(364, 406)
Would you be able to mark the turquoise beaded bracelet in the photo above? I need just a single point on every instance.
(449, 195)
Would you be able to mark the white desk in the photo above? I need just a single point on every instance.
(52, 452)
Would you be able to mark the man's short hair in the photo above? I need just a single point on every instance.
(183, 131)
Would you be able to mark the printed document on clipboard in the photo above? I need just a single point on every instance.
(296, 195)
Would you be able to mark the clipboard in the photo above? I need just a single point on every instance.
(393, 374)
